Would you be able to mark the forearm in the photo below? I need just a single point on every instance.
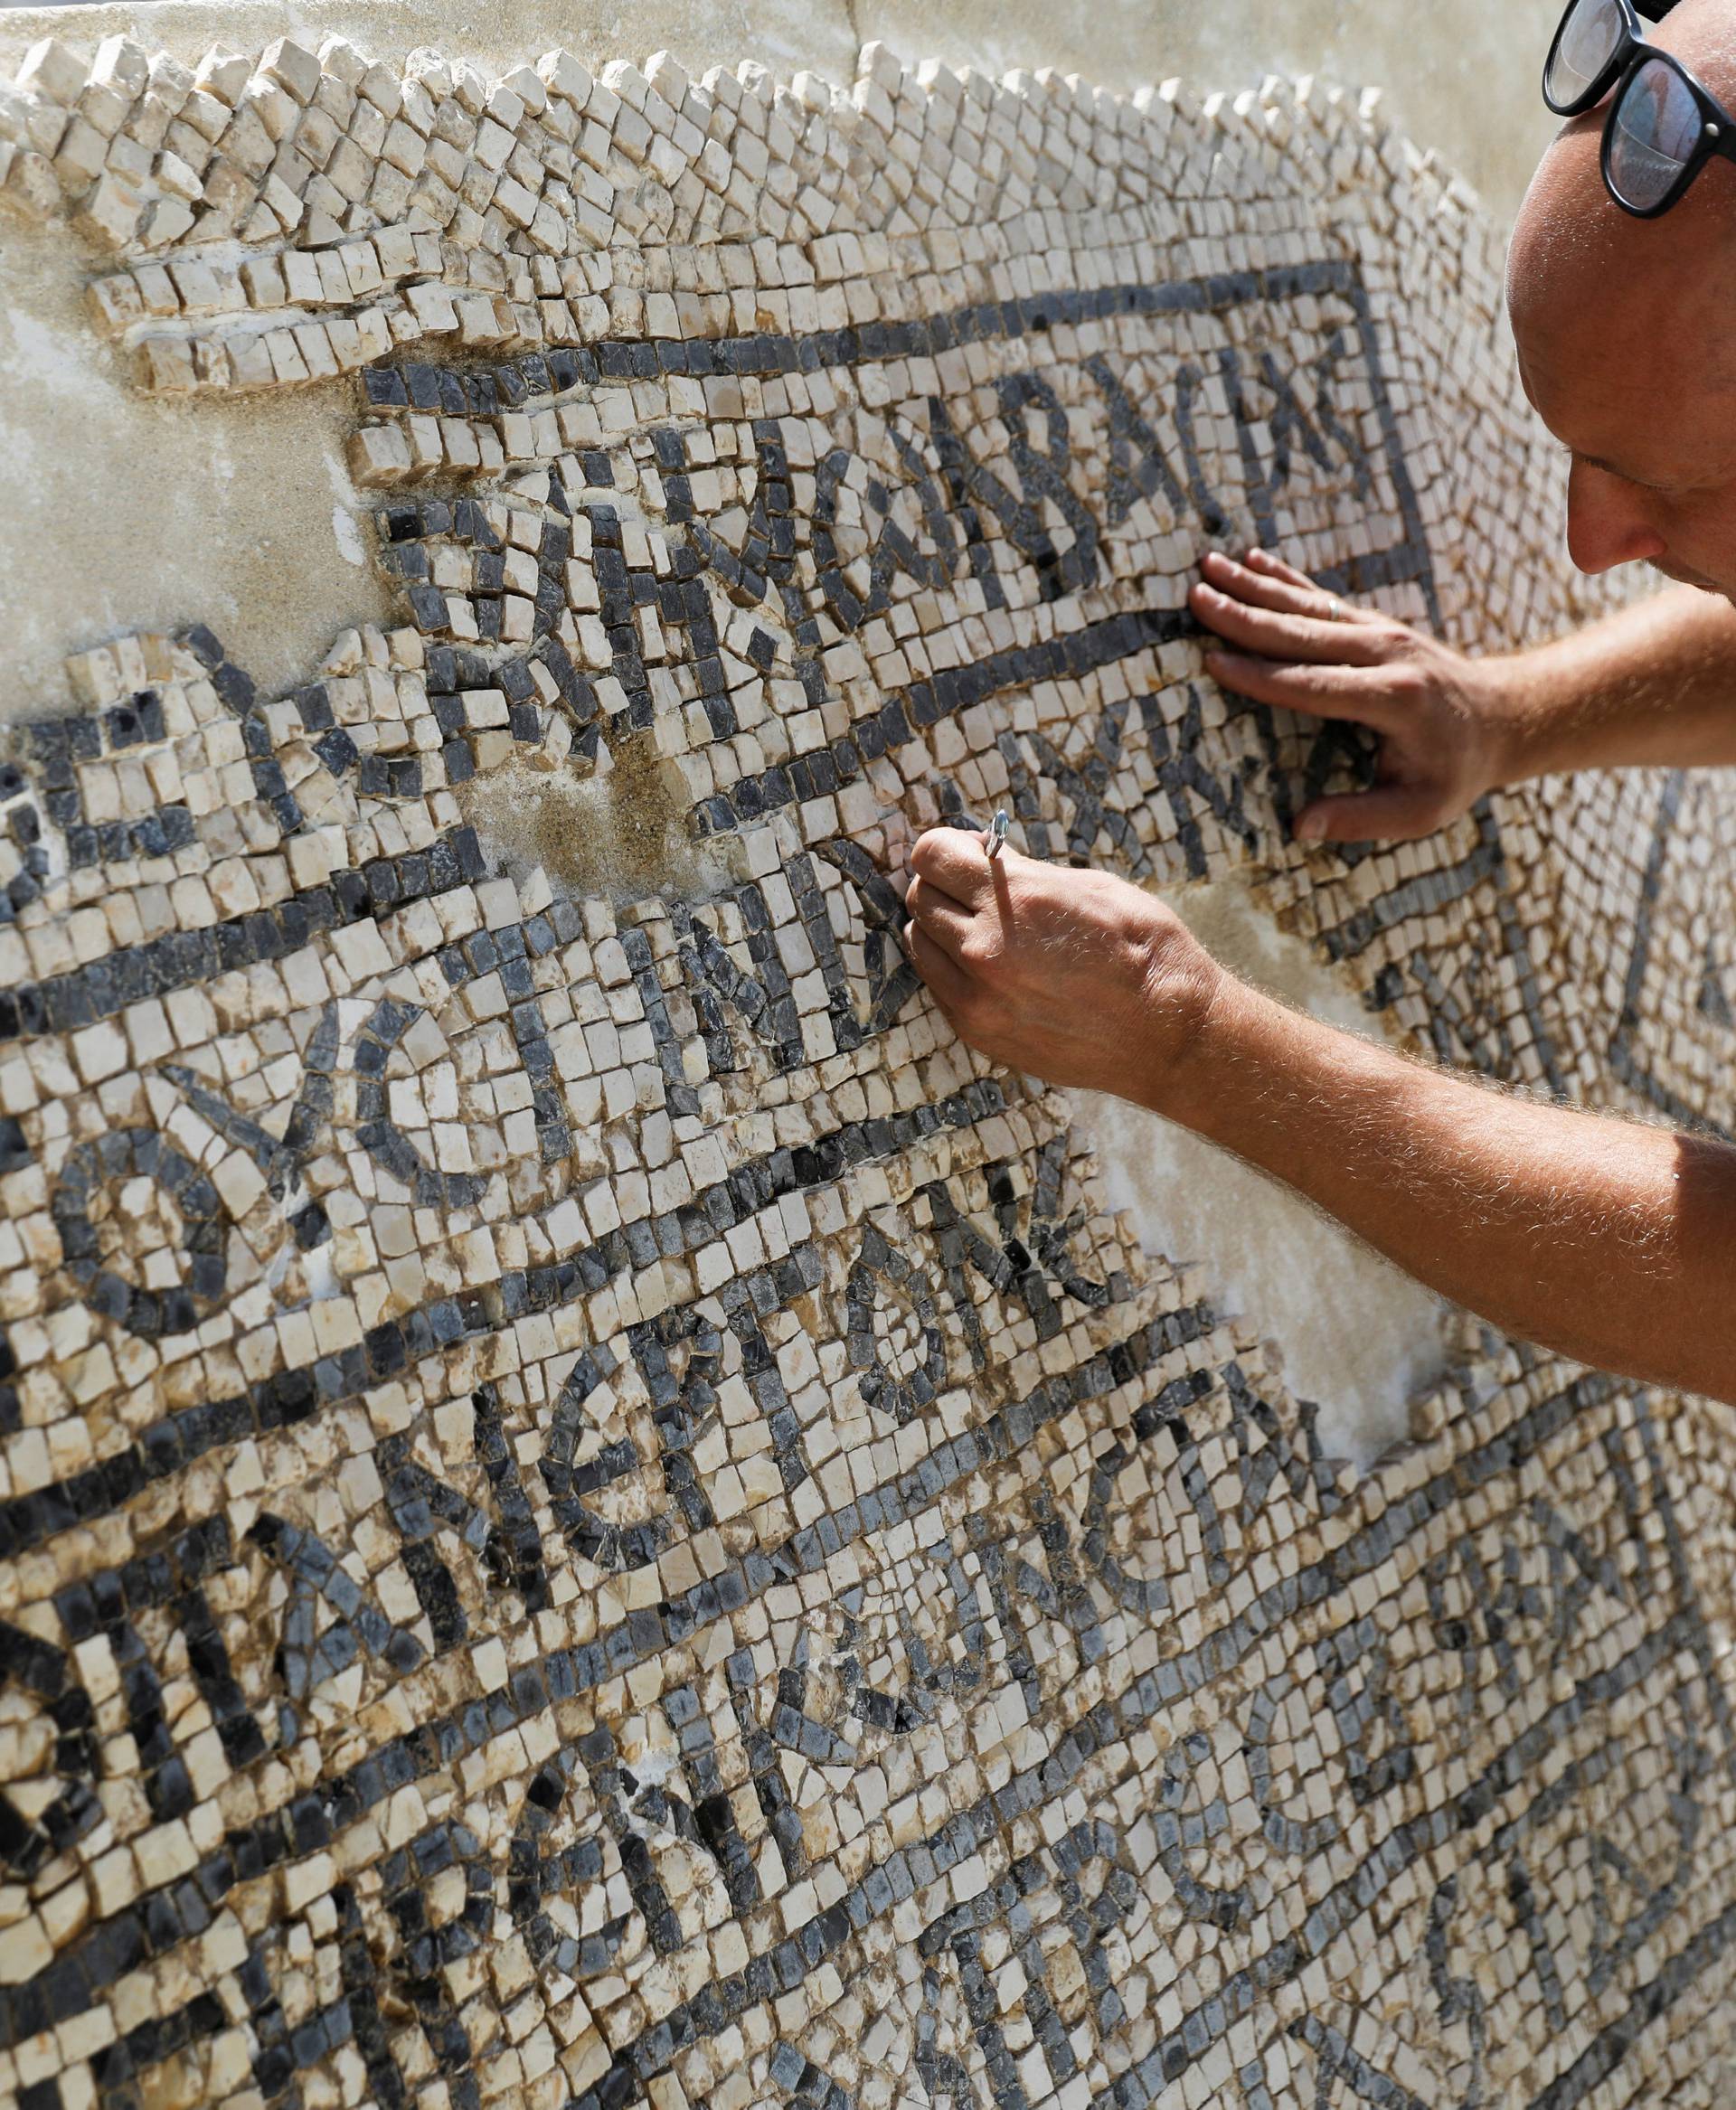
(1654, 683)
(1611, 1242)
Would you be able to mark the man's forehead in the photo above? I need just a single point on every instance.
(1570, 231)
(1645, 410)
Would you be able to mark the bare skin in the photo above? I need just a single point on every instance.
(1608, 1241)
(1652, 684)
(1611, 1242)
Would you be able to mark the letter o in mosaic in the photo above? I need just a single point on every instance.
(141, 1153)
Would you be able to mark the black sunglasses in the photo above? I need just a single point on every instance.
(1593, 44)
(1662, 126)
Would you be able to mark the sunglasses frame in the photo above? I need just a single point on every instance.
(1633, 39)
(1717, 130)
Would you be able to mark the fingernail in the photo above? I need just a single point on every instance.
(1310, 828)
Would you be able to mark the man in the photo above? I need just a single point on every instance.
(1611, 1242)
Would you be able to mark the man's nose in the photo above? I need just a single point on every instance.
(1608, 522)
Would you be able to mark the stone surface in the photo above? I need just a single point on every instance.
(594, 1510)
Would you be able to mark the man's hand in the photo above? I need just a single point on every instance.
(1608, 1241)
(1440, 716)
(1073, 977)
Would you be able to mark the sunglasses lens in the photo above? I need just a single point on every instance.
(1590, 37)
(1652, 139)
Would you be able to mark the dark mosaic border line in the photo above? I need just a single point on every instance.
(924, 703)
(909, 713)
(903, 718)
(1428, 890)
(485, 392)
(1402, 1849)
(762, 355)
(1685, 1628)
(766, 354)
(717, 2006)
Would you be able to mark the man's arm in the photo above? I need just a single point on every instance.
(1609, 1242)
(1654, 682)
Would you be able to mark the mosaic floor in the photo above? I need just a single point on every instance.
(593, 1512)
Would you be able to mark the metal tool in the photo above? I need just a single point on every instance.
(995, 836)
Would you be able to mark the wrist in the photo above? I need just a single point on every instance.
(1187, 993)
(1519, 740)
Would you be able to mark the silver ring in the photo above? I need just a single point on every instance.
(1334, 611)
(995, 836)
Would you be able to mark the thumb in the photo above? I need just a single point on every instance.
(1392, 813)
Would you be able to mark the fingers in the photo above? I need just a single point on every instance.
(1392, 813)
(953, 859)
(1257, 590)
(1359, 693)
(1291, 596)
(1275, 568)
(1275, 636)
(937, 915)
(945, 978)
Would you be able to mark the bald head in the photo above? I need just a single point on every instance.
(1626, 331)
